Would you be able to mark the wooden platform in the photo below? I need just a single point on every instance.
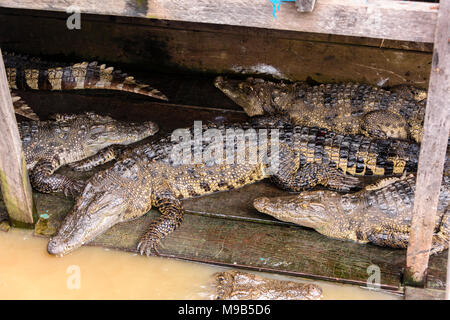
(148, 39)
(223, 228)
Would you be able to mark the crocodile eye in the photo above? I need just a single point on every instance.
(97, 129)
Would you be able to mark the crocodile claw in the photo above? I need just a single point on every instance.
(148, 247)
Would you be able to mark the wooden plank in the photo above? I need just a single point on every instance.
(14, 181)
(383, 19)
(281, 249)
(220, 28)
(413, 293)
(167, 50)
(233, 206)
(305, 5)
(432, 153)
(290, 250)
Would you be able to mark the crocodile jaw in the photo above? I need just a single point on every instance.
(306, 209)
(92, 215)
(119, 132)
(236, 91)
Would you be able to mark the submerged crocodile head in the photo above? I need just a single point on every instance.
(109, 197)
(102, 131)
(312, 209)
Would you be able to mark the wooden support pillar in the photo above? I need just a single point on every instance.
(15, 185)
(432, 154)
(447, 288)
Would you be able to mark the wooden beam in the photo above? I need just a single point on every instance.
(381, 19)
(432, 153)
(305, 5)
(178, 47)
(14, 181)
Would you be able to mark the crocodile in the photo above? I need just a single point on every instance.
(379, 214)
(238, 285)
(50, 144)
(23, 72)
(344, 108)
(155, 174)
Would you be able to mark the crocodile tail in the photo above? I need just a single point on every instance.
(101, 77)
(224, 285)
(24, 73)
(21, 108)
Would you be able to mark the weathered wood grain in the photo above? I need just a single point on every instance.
(305, 5)
(384, 19)
(432, 153)
(14, 181)
(134, 45)
(376, 19)
(413, 293)
(259, 246)
(220, 28)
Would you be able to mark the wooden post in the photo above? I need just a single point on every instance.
(432, 154)
(447, 288)
(14, 180)
(305, 5)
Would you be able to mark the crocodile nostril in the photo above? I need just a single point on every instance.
(55, 246)
(260, 203)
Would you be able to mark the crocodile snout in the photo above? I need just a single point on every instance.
(218, 81)
(261, 203)
(56, 246)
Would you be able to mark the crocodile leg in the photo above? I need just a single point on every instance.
(293, 177)
(172, 216)
(103, 156)
(44, 180)
(389, 236)
(313, 174)
(441, 239)
(393, 237)
(384, 124)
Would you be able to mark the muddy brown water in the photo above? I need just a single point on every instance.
(28, 272)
